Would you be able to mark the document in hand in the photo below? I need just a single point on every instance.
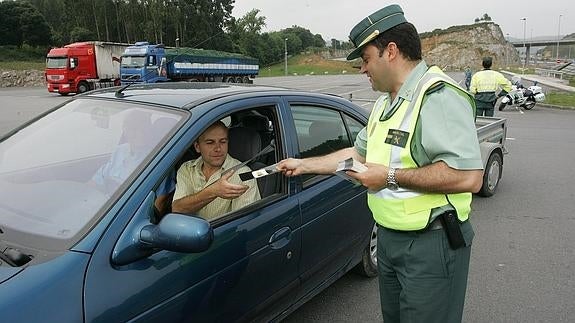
(350, 164)
(259, 173)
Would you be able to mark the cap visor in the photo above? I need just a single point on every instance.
(356, 53)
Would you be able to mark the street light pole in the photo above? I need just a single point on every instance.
(524, 47)
(285, 56)
(507, 54)
(558, 35)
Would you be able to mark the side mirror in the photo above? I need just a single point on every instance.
(73, 62)
(175, 232)
(178, 233)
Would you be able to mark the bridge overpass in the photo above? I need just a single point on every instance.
(538, 43)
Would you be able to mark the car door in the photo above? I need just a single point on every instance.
(335, 217)
(251, 264)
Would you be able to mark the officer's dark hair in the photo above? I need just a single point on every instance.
(487, 62)
(406, 38)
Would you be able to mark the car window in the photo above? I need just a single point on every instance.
(250, 131)
(58, 174)
(320, 131)
(354, 127)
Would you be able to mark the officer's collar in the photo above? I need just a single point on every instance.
(408, 87)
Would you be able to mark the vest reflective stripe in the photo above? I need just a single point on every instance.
(405, 209)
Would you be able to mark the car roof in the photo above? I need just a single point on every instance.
(186, 95)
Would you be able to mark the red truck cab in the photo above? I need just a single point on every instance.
(69, 68)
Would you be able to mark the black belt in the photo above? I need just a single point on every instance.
(434, 225)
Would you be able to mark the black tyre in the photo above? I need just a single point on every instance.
(502, 106)
(368, 265)
(83, 87)
(231, 79)
(492, 174)
(529, 105)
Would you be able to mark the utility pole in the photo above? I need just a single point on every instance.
(558, 35)
(524, 47)
(285, 56)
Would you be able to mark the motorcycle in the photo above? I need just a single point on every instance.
(519, 96)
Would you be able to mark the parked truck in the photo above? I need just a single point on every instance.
(84, 66)
(149, 63)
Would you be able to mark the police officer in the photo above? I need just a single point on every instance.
(484, 85)
(423, 159)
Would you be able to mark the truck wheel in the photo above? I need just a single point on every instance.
(502, 106)
(246, 80)
(368, 265)
(491, 175)
(239, 79)
(231, 79)
(83, 87)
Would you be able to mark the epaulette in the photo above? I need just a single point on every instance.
(435, 87)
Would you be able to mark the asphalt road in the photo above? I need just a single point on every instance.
(523, 260)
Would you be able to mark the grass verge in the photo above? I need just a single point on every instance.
(308, 65)
(23, 65)
(560, 99)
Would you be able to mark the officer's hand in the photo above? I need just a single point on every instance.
(374, 178)
(226, 190)
(291, 167)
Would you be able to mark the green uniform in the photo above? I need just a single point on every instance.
(484, 85)
(418, 271)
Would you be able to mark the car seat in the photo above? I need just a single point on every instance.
(243, 144)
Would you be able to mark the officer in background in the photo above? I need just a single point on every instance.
(468, 75)
(484, 85)
(422, 153)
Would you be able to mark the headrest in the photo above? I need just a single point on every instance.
(257, 122)
(243, 143)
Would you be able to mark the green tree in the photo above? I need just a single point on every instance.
(21, 23)
(81, 34)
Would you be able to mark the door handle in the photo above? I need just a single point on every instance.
(280, 238)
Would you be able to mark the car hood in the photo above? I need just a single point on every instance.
(7, 272)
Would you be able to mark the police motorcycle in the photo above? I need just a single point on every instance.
(519, 96)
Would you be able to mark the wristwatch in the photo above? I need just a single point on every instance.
(391, 181)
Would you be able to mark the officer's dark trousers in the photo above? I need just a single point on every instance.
(484, 108)
(421, 279)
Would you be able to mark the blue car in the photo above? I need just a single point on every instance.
(88, 236)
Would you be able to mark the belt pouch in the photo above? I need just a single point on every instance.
(452, 229)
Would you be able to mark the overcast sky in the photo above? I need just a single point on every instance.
(335, 18)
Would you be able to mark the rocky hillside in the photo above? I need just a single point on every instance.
(460, 46)
(10, 78)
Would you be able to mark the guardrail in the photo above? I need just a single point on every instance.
(549, 73)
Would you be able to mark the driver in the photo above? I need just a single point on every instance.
(204, 187)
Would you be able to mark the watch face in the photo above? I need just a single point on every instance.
(392, 186)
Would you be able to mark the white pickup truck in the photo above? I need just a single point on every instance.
(491, 132)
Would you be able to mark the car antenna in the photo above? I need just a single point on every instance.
(120, 92)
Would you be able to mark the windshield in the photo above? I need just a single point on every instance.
(59, 174)
(133, 61)
(56, 62)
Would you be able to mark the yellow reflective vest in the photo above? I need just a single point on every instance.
(488, 81)
(389, 143)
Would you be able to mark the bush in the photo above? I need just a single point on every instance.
(9, 53)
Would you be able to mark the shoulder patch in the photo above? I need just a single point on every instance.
(435, 87)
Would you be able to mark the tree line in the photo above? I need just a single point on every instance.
(204, 24)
